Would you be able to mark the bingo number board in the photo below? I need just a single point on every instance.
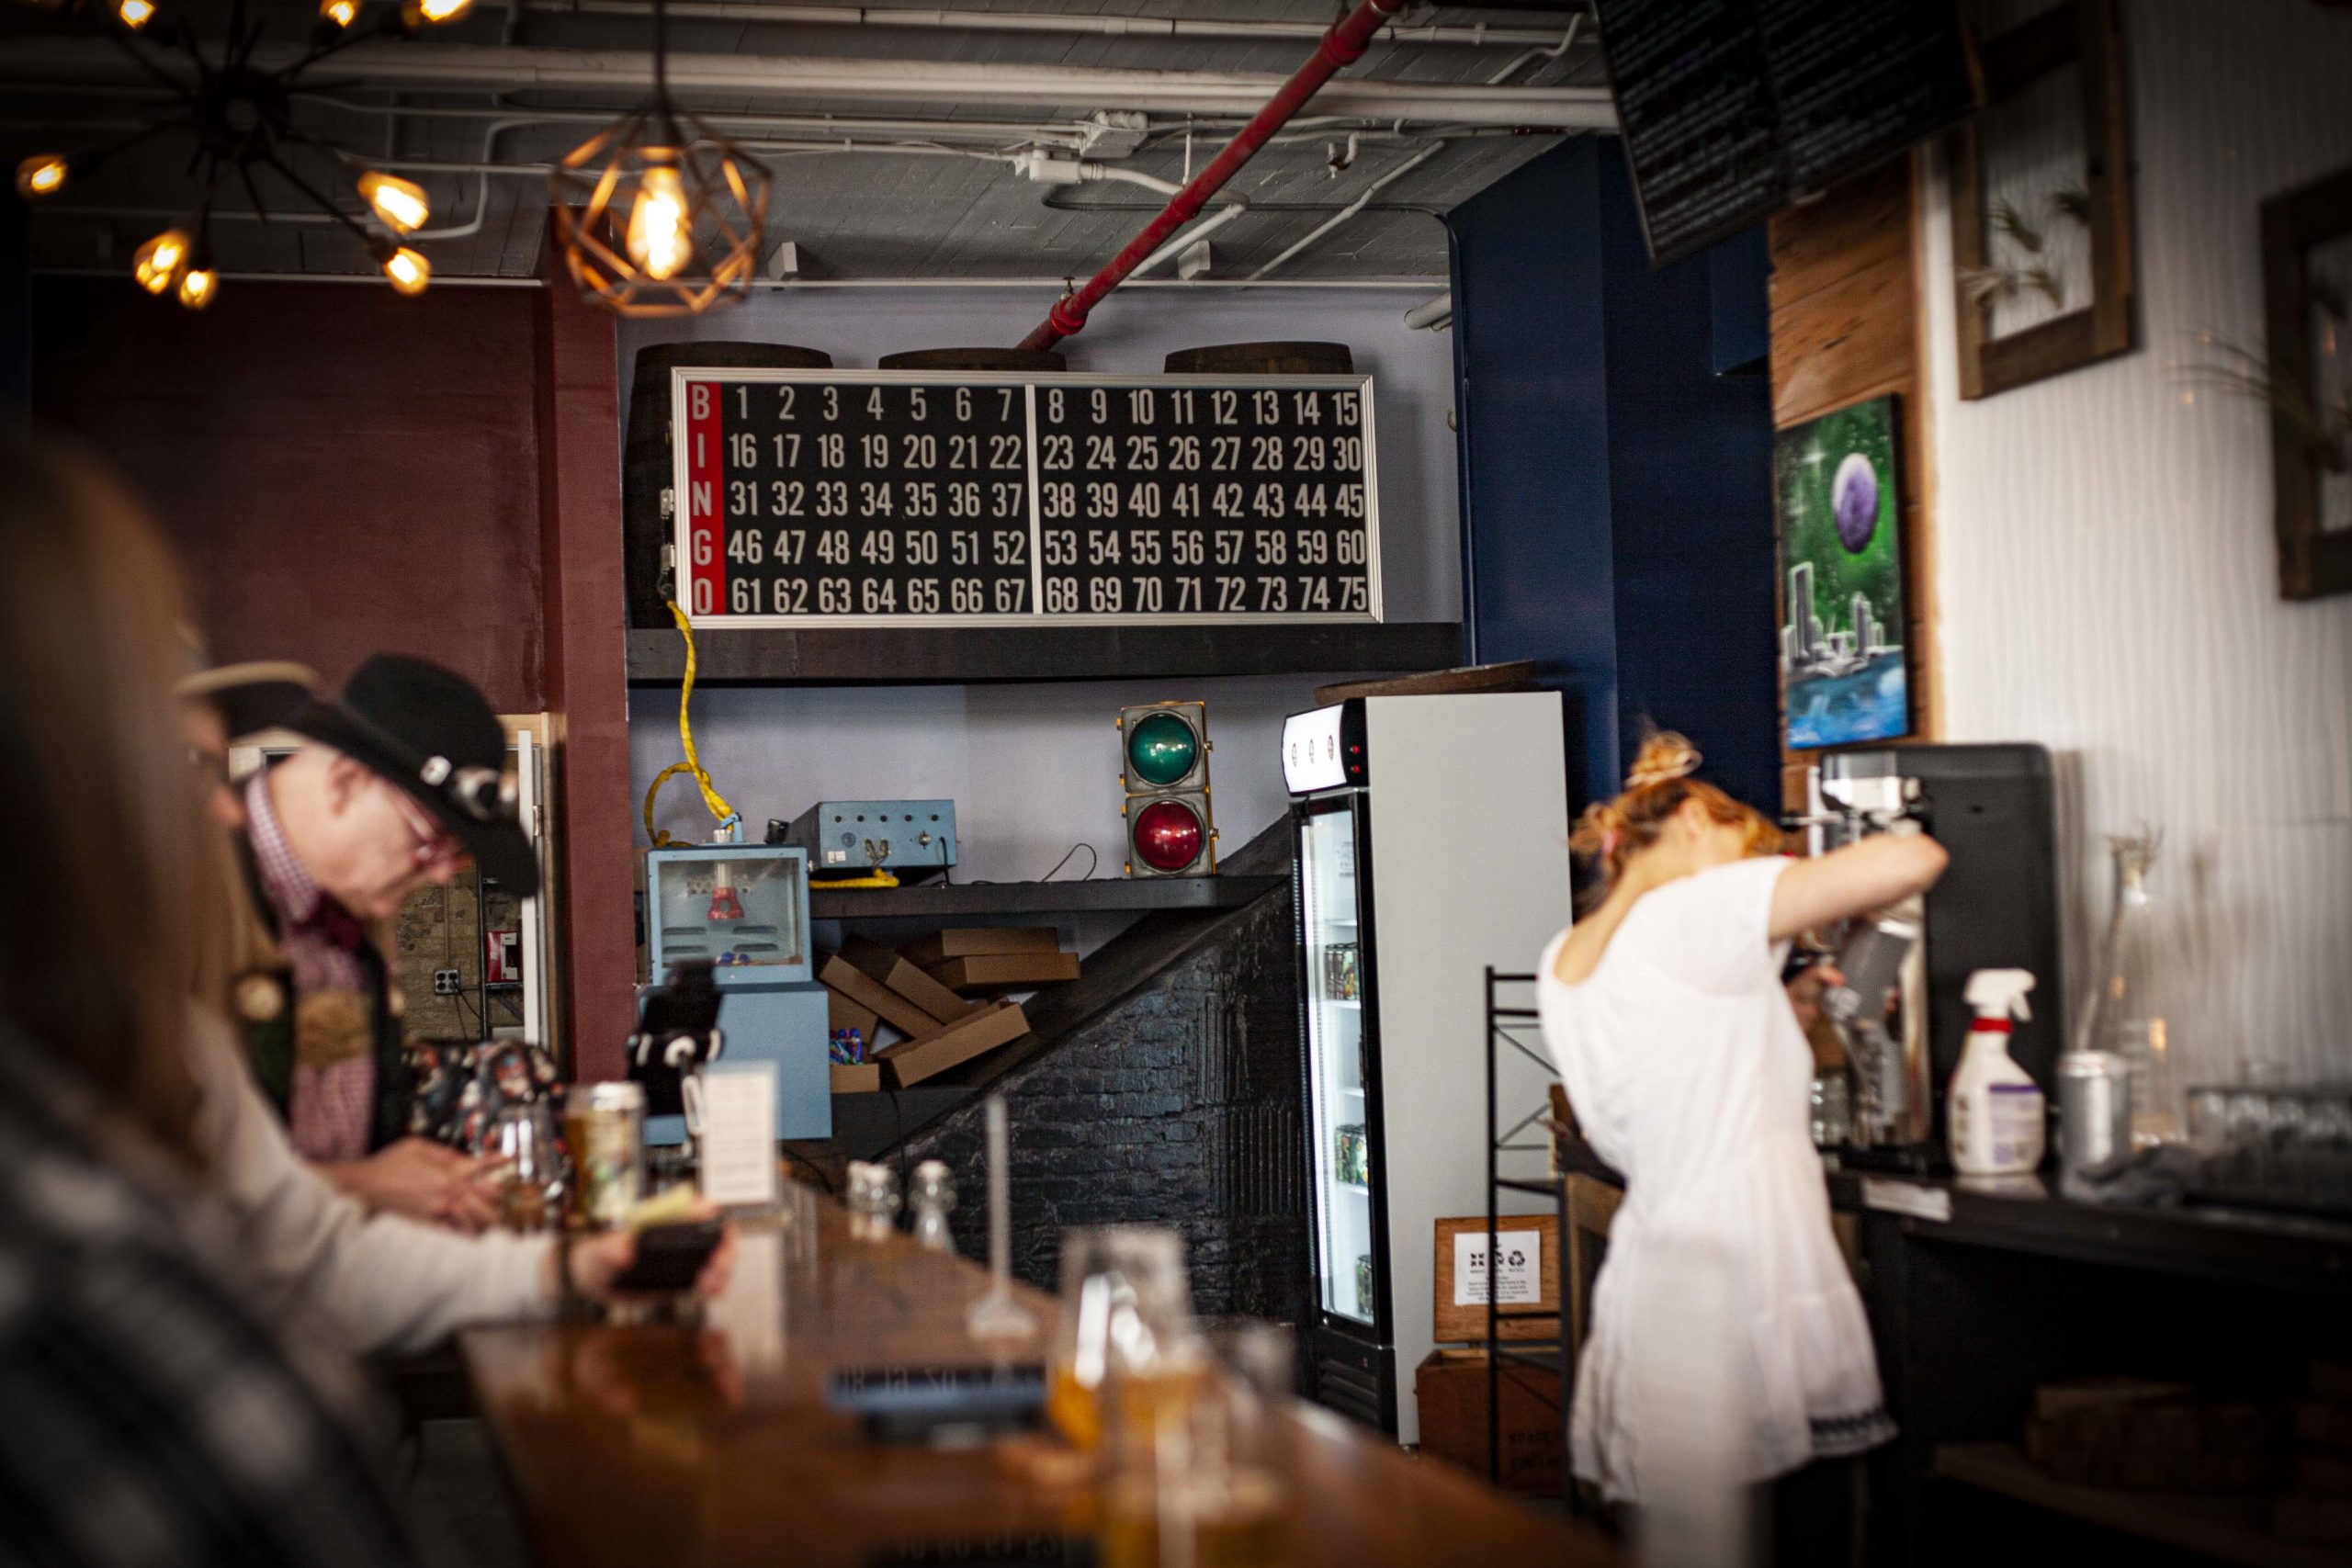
(819, 498)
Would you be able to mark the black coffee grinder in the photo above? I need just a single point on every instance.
(1991, 806)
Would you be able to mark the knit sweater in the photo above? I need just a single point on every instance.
(375, 1281)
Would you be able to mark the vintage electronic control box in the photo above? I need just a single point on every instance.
(873, 835)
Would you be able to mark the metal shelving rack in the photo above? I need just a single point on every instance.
(1514, 1028)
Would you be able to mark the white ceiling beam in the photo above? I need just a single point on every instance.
(627, 74)
(1470, 35)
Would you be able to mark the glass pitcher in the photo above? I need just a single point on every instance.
(1125, 1331)
(2133, 1005)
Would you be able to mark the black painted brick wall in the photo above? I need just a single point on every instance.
(1181, 1107)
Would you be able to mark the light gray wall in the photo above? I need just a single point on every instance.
(1034, 769)
(2107, 580)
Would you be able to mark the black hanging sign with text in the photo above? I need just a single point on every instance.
(824, 498)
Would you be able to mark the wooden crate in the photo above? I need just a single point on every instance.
(1460, 1322)
(1450, 1387)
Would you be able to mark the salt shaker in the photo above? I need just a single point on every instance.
(932, 1195)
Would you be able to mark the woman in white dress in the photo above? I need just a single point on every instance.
(1725, 1333)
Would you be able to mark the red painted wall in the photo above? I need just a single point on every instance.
(345, 471)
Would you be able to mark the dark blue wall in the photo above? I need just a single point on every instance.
(1616, 492)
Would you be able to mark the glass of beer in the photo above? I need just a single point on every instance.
(1125, 1329)
(1197, 1482)
(531, 1166)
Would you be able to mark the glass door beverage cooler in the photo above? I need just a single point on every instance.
(1431, 843)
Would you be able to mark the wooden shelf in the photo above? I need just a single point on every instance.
(983, 900)
(957, 656)
(2226, 1529)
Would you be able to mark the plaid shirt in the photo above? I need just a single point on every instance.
(146, 1417)
(330, 1109)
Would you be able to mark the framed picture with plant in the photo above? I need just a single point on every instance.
(2307, 381)
(2041, 203)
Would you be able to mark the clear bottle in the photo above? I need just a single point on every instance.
(2132, 1007)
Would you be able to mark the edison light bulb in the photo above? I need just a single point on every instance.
(658, 238)
(409, 271)
(157, 264)
(135, 14)
(400, 203)
(342, 13)
(40, 174)
(437, 10)
(197, 285)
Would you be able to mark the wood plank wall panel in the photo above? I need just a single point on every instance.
(1845, 328)
(577, 390)
(343, 471)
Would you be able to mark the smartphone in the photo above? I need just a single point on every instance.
(670, 1258)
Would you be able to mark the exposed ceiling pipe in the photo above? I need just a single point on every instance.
(1075, 135)
(628, 72)
(1047, 169)
(1477, 35)
(1568, 42)
(1436, 314)
(766, 285)
(1362, 199)
(1342, 47)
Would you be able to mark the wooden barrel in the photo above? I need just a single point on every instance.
(1263, 359)
(646, 468)
(974, 359)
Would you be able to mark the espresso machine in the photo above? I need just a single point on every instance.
(1995, 907)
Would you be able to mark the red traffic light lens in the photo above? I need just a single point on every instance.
(1168, 835)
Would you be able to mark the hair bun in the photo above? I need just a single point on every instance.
(1664, 757)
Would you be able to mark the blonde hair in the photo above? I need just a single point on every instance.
(107, 852)
(1611, 832)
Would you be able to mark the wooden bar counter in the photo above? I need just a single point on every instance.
(714, 1444)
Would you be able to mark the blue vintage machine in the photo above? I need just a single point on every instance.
(743, 908)
(864, 835)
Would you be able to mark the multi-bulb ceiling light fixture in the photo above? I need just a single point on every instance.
(657, 214)
(242, 118)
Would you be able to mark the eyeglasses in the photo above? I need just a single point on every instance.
(435, 843)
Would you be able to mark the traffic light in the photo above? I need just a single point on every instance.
(1164, 769)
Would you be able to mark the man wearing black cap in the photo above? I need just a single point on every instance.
(375, 1281)
(400, 787)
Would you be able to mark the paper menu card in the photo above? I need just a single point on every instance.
(738, 1133)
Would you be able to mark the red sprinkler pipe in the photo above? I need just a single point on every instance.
(1342, 47)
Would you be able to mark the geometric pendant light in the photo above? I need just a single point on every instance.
(657, 214)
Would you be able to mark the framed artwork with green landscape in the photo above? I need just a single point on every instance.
(1841, 565)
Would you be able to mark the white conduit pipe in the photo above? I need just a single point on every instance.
(1351, 209)
(891, 82)
(1477, 35)
(1229, 209)
(1431, 313)
(1568, 42)
(766, 285)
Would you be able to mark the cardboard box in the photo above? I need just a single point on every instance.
(863, 1077)
(839, 975)
(970, 942)
(985, 971)
(951, 1044)
(880, 963)
(1450, 1387)
(845, 1013)
(1530, 1248)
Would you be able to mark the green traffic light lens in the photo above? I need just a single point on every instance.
(1162, 749)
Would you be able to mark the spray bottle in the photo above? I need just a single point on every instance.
(1996, 1113)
